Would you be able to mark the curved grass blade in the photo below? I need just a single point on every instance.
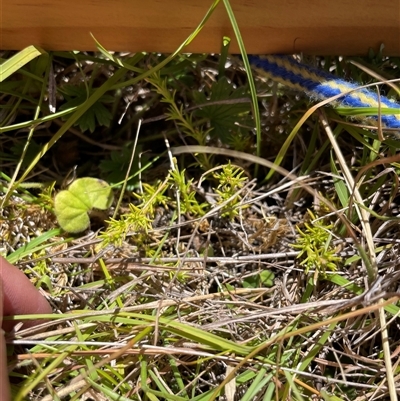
(19, 60)
(33, 246)
(248, 72)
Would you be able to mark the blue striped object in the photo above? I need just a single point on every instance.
(322, 85)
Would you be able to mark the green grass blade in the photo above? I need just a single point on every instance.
(366, 111)
(286, 145)
(269, 394)
(247, 67)
(293, 388)
(178, 377)
(33, 246)
(110, 394)
(328, 397)
(340, 186)
(316, 348)
(19, 60)
(163, 391)
(116, 60)
(258, 384)
(224, 56)
(168, 59)
(73, 118)
(43, 64)
(37, 121)
(343, 282)
(25, 390)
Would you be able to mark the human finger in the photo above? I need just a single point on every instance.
(20, 297)
(4, 380)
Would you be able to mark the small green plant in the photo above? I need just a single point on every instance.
(315, 246)
(72, 206)
(137, 220)
(186, 122)
(263, 279)
(114, 169)
(183, 119)
(96, 115)
(188, 202)
(227, 110)
(153, 196)
(231, 180)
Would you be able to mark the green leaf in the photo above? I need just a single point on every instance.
(95, 115)
(115, 169)
(265, 279)
(97, 112)
(72, 206)
(46, 280)
(19, 60)
(225, 115)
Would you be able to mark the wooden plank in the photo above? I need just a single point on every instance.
(268, 26)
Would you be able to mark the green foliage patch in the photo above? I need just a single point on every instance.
(212, 277)
(71, 206)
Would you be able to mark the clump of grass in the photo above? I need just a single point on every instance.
(191, 287)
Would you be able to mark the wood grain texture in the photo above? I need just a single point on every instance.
(345, 27)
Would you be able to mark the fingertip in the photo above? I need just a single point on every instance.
(20, 297)
(5, 394)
